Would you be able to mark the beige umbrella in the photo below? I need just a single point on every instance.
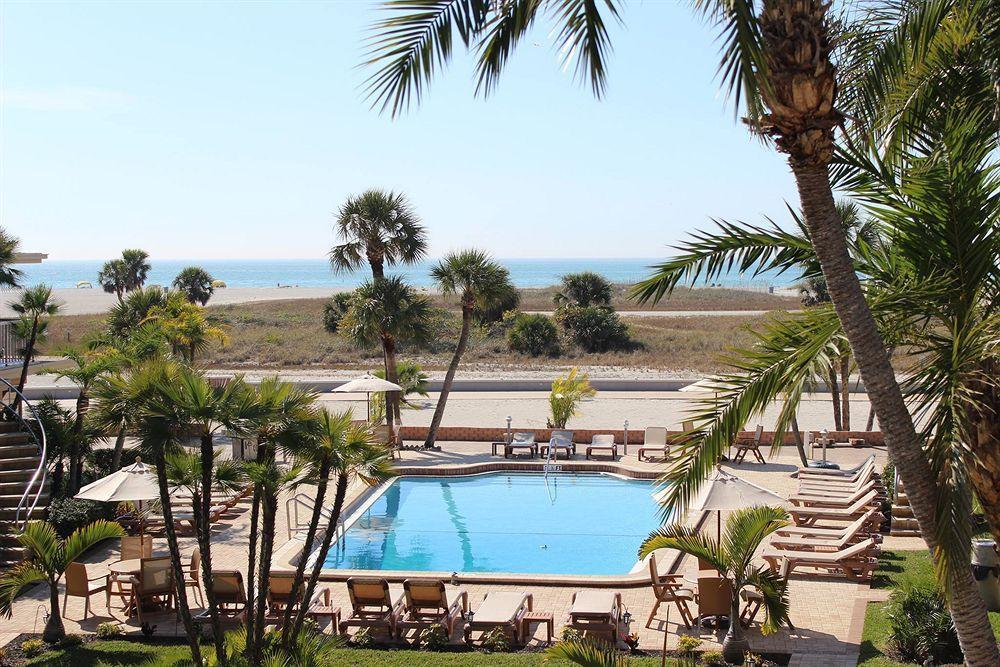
(134, 483)
(368, 384)
(729, 492)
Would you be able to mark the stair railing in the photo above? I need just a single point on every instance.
(27, 504)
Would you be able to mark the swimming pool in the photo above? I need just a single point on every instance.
(588, 524)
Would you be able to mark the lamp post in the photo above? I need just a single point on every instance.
(509, 420)
(625, 443)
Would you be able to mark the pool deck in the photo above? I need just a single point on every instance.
(828, 612)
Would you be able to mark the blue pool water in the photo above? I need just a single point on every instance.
(503, 522)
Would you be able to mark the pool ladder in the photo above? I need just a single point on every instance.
(293, 524)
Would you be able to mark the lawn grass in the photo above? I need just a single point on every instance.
(897, 570)
(127, 653)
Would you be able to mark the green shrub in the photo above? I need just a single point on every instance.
(533, 334)
(594, 329)
(571, 634)
(68, 514)
(509, 300)
(688, 644)
(713, 659)
(363, 638)
(32, 647)
(434, 638)
(496, 641)
(100, 460)
(921, 629)
(109, 630)
(584, 289)
(334, 309)
(70, 641)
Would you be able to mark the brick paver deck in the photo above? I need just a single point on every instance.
(827, 612)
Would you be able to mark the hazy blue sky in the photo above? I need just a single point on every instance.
(235, 129)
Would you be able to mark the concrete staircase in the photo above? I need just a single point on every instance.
(19, 458)
(903, 522)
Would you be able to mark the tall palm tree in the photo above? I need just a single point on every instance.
(378, 227)
(185, 326)
(34, 307)
(48, 558)
(777, 62)
(113, 278)
(732, 556)
(127, 316)
(479, 282)
(136, 265)
(196, 284)
(355, 457)
(384, 313)
(9, 245)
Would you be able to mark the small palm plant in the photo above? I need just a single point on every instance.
(34, 309)
(566, 395)
(47, 561)
(746, 529)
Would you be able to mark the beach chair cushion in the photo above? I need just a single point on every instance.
(500, 607)
(594, 604)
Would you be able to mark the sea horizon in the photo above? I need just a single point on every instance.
(269, 272)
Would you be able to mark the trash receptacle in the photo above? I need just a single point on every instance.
(986, 570)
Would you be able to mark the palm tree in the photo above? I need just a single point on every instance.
(584, 289)
(113, 278)
(34, 308)
(746, 529)
(196, 284)
(378, 227)
(479, 282)
(136, 265)
(355, 457)
(9, 245)
(128, 316)
(386, 312)
(777, 62)
(48, 558)
(411, 377)
(589, 654)
(185, 326)
(88, 369)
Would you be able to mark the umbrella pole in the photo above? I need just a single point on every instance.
(718, 526)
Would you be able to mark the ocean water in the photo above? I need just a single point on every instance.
(503, 522)
(317, 272)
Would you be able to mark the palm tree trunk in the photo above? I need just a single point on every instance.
(827, 236)
(270, 508)
(75, 442)
(54, 630)
(175, 558)
(300, 567)
(449, 377)
(203, 529)
(391, 397)
(871, 418)
(251, 572)
(29, 352)
(835, 397)
(799, 445)
(845, 392)
(984, 439)
(116, 457)
(324, 549)
(735, 644)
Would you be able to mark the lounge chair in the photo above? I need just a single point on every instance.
(523, 440)
(426, 603)
(78, 584)
(667, 588)
(373, 605)
(857, 561)
(809, 515)
(863, 475)
(279, 596)
(746, 446)
(654, 440)
(817, 488)
(850, 473)
(500, 609)
(833, 499)
(596, 612)
(602, 443)
(133, 547)
(560, 440)
(867, 523)
(155, 584)
(230, 594)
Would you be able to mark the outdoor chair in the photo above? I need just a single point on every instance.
(596, 613)
(192, 578)
(155, 584)
(809, 515)
(78, 584)
(426, 603)
(133, 547)
(500, 609)
(845, 498)
(654, 440)
(857, 562)
(230, 593)
(667, 588)
(373, 605)
(602, 443)
(746, 446)
(560, 440)
(522, 440)
(830, 473)
(864, 526)
(714, 598)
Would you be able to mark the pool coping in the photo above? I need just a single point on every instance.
(286, 557)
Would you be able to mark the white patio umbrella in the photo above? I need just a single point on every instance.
(134, 483)
(368, 384)
(727, 492)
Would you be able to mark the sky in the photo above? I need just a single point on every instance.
(235, 130)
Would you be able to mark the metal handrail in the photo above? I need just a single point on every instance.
(41, 470)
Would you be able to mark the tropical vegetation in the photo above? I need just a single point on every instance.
(566, 395)
(196, 284)
(34, 308)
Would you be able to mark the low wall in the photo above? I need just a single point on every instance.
(585, 435)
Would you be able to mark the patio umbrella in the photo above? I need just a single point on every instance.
(368, 384)
(133, 483)
(729, 492)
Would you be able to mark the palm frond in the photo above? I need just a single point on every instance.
(13, 580)
(82, 539)
(586, 653)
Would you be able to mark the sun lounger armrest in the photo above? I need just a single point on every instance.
(460, 603)
(529, 600)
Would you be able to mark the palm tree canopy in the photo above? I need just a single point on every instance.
(387, 309)
(136, 265)
(35, 302)
(380, 227)
(88, 367)
(474, 276)
(113, 277)
(9, 245)
(196, 284)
